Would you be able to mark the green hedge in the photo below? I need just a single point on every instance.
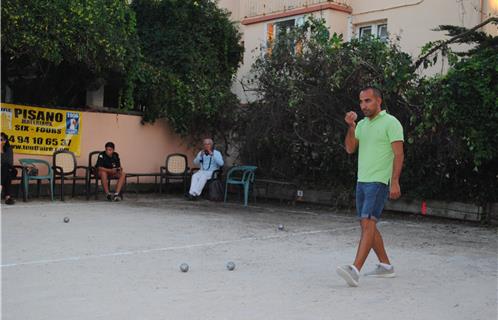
(309, 79)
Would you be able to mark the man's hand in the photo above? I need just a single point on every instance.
(207, 151)
(351, 143)
(395, 191)
(350, 118)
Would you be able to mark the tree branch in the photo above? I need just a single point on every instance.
(451, 40)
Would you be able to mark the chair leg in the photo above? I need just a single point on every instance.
(96, 187)
(52, 189)
(123, 190)
(73, 192)
(87, 187)
(226, 192)
(62, 187)
(38, 187)
(20, 189)
(26, 188)
(246, 194)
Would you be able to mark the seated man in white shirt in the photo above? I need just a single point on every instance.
(208, 161)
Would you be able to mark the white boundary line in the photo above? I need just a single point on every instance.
(190, 246)
(43, 205)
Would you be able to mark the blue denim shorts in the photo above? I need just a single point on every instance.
(370, 199)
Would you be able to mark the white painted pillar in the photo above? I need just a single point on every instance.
(349, 34)
(95, 98)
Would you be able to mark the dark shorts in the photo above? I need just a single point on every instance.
(370, 199)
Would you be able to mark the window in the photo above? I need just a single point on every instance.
(382, 32)
(365, 31)
(284, 26)
(273, 30)
(378, 30)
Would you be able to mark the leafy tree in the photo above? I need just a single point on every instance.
(306, 83)
(191, 52)
(308, 80)
(52, 51)
(452, 151)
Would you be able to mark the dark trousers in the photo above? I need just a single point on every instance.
(6, 179)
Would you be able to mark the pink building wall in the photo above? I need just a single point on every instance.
(142, 148)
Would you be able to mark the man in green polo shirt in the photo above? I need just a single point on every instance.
(379, 138)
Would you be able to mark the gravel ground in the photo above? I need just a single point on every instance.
(121, 261)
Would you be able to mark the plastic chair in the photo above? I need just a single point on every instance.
(243, 176)
(92, 173)
(176, 168)
(65, 167)
(26, 178)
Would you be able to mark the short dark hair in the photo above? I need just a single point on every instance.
(377, 91)
(109, 145)
(7, 143)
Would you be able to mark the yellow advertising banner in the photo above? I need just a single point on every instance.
(41, 131)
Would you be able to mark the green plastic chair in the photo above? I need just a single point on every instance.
(26, 178)
(242, 176)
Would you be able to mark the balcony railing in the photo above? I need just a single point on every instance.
(253, 8)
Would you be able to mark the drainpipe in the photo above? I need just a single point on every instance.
(391, 8)
(481, 5)
(349, 34)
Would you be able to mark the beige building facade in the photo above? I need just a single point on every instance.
(409, 22)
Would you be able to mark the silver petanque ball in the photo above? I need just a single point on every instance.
(184, 267)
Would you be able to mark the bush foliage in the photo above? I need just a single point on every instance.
(52, 51)
(309, 79)
(191, 52)
(168, 58)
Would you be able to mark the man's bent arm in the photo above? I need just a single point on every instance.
(351, 142)
(218, 158)
(102, 169)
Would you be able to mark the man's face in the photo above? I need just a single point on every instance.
(109, 151)
(207, 145)
(369, 103)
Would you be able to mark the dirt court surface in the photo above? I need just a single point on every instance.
(121, 261)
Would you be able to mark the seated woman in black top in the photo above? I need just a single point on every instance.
(8, 171)
(109, 166)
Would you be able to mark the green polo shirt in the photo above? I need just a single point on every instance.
(375, 155)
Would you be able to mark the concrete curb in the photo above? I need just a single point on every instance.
(451, 210)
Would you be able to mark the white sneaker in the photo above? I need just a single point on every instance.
(381, 272)
(349, 275)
